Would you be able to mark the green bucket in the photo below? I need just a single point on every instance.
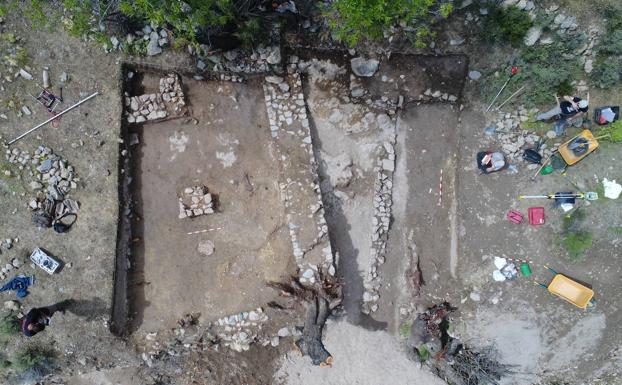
(546, 170)
(525, 269)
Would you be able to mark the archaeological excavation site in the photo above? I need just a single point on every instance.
(310, 192)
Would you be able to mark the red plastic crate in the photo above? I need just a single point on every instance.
(536, 216)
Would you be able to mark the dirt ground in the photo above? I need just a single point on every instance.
(230, 152)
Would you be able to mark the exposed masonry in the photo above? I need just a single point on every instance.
(169, 101)
(381, 221)
(289, 127)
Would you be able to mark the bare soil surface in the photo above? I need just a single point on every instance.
(230, 152)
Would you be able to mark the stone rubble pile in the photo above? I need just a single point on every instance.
(195, 201)
(52, 174)
(239, 331)
(514, 140)
(150, 40)
(381, 221)
(260, 60)
(168, 101)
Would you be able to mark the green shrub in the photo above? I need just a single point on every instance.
(251, 33)
(31, 357)
(183, 18)
(607, 72)
(611, 43)
(505, 25)
(9, 325)
(614, 130)
(353, 21)
(573, 238)
(547, 70)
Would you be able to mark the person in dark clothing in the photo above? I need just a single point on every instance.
(568, 112)
(570, 107)
(38, 318)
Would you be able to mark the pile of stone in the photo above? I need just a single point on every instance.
(195, 201)
(381, 221)
(239, 331)
(150, 40)
(509, 121)
(52, 174)
(259, 61)
(437, 95)
(155, 106)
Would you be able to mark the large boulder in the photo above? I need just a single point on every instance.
(364, 67)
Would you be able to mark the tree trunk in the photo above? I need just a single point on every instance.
(311, 342)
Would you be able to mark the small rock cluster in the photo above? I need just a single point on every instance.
(381, 221)
(238, 61)
(170, 100)
(195, 201)
(150, 40)
(15, 263)
(51, 173)
(437, 95)
(239, 331)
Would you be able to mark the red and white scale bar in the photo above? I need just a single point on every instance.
(440, 190)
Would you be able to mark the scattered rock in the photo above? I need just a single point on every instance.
(588, 67)
(153, 48)
(532, 36)
(475, 75)
(206, 247)
(283, 332)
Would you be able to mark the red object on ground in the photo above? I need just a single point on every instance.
(514, 70)
(515, 216)
(536, 216)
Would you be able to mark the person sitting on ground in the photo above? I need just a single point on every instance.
(38, 318)
(488, 161)
(570, 108)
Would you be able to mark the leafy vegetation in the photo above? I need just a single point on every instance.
(505, 25)
(31, 357)
(353, 21)
(9, 325)
(574, 239)
(614, 130)
(405, 329)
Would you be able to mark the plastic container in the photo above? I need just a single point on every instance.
(525, 269)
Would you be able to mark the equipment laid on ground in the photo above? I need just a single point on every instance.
(44, 261)
(53, 118)
(590, 196)
(576, 149)
(536, 216)
(569, 290)
(513, 71)
(606, 115)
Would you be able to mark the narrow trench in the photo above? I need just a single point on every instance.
(340, 239)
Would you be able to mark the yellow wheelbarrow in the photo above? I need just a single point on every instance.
(569, 290)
